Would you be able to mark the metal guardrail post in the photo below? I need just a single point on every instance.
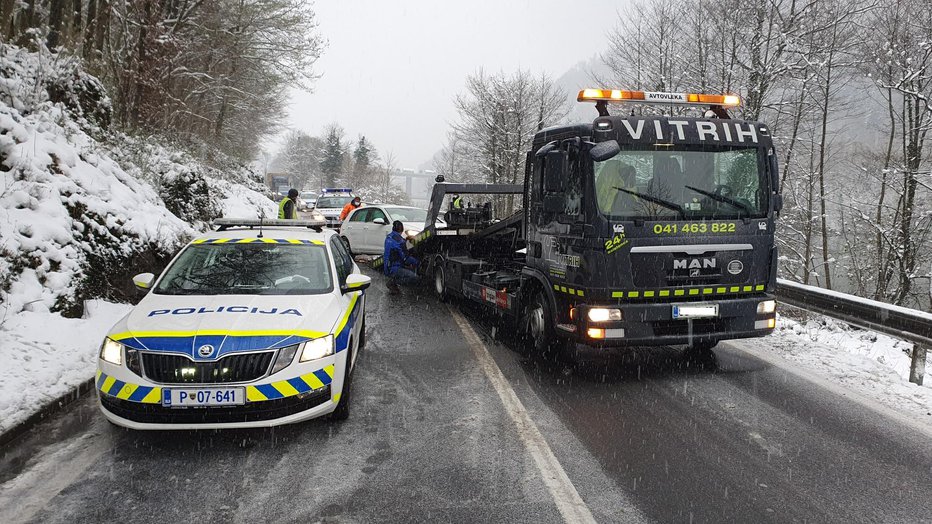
(917, 367)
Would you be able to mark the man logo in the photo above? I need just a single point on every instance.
(205, 351)
(735, 267)
(694, 263)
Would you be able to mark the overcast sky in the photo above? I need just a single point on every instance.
(392, 68)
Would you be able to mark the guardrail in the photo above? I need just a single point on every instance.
(908, 324)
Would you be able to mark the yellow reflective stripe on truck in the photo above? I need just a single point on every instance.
(688, 291)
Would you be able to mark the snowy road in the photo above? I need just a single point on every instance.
(434, 435)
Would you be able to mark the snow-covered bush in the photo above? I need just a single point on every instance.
(83, 208)
(73, 223)
(29, 80)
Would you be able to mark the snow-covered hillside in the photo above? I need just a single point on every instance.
(82, 207)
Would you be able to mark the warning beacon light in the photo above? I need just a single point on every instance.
(717, 103)
(652, 97)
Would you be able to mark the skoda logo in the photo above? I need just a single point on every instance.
(205, 351)
(735, 267)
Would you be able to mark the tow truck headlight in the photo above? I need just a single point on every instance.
(766, 307)
(112, 352)
(317, 348)
(601, 314)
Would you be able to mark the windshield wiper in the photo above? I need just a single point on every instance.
(723, 199)
(659, 201)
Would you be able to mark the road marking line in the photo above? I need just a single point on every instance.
(571, 505)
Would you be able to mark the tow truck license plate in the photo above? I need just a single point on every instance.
(696, 311)
(198, 397)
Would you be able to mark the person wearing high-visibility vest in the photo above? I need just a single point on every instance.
(288, 207)
(457, 202)
(613, 174)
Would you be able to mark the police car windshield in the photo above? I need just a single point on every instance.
(248, 269)
(333, 201)
(658, 183)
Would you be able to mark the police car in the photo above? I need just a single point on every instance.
(330, 204)
(256, 324)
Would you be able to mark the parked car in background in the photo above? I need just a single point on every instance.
(330, 204)
(365, 229)
(307, 200)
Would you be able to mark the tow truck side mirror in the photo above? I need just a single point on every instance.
(554, 171)
(355, 282)
(777, 202)
(604, 150)
(143, 282)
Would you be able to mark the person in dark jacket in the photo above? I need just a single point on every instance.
(288, 207)
(397, 264)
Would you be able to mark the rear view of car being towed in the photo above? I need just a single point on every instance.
(247, 327)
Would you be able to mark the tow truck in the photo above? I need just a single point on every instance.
(634, 230)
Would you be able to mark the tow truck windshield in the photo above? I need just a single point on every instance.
(661, 184)
(248, 269)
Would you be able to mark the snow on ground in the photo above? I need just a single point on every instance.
(239, 201)
(869, 363)
(45, 356)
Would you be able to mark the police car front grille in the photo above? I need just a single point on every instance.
(178, 369)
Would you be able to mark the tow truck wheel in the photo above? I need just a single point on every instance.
(440, 282)
(540, 335)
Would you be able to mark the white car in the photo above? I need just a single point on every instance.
(307, 200)
(365, 229)
(247, 327)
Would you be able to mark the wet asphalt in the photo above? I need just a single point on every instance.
(645, 435)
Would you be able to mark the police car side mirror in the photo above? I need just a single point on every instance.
(355, 282)
(380, 221)
(604, 150)
(143, 281)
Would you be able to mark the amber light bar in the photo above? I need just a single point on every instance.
(653, 97)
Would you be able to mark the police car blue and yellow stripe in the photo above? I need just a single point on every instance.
(306, 383)
(257, 240)
(126, 391)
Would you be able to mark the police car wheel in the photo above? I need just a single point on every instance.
(342, 410)
(362, 333)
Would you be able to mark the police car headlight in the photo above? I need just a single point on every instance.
(411, 233)
(285, 358)
(112, 352)
(601, 314)
(317, 348)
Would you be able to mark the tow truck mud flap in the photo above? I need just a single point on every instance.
(499, 299)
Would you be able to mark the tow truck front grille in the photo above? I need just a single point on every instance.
(178, 369)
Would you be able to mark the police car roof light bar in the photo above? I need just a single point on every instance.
(601, 97)
(223, 224)
(337, 190)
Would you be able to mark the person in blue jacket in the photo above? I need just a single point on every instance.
(397, 264)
